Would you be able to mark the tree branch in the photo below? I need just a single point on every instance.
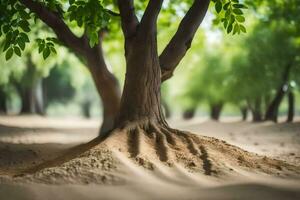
(181, 41)
(54, 21)
(128, 18)
(149, 19)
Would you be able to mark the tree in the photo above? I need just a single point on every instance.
(140, 121)
(16, 24)
(89, 47)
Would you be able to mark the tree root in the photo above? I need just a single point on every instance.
(150, 143)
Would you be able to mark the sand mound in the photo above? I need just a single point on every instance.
(149, 145)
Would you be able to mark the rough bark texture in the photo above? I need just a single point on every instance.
(189, 113)
(291, 108)
(272, 110)
(181, 41)
(215, 111)
(141, 94)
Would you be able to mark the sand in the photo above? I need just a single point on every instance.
(110, 172)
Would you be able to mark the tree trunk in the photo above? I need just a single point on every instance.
(291, 108)
(215, 111)
(189, 113)
(3, 108)
(141, 99)
(272, 110)
(244, 112)
(31, 91)
(107, 87)
(256, 110)
(86, 109)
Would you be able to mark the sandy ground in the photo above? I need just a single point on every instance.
(29, 140)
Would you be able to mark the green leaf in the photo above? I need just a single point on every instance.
(238, 5)
(21, 43)
(24, 37)
(243, 28)
(53, 50)
(6, 45)
(226, 5)
(17, 51)
(229, 28)
(24, 25)
(41, 47)
(9, 53)
(236, 28)
(218, 6)
(240, 18)
(237, 11)
(46, 53)
(24, 14)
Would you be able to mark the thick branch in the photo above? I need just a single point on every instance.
(149, 19)
(54, 21)
(128, 18)
(181, 41)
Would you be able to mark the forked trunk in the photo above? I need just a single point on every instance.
(272, 110)
(291, 108)
(215, 111)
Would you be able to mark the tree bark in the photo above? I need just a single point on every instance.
(141, 100)
(272, 110)
(215, 111)
(291, 107)
(107, 86)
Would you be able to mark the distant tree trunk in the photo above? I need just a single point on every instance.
(215, 111)
(272, 110)
(3, 108)
(291, 108)
(189, 113)
(244, 112)
(256, 110)
(31, 91)
(86, 108)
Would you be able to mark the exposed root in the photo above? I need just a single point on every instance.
(158, 143)
(147, 144)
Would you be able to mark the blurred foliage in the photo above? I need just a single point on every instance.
(218, 68)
